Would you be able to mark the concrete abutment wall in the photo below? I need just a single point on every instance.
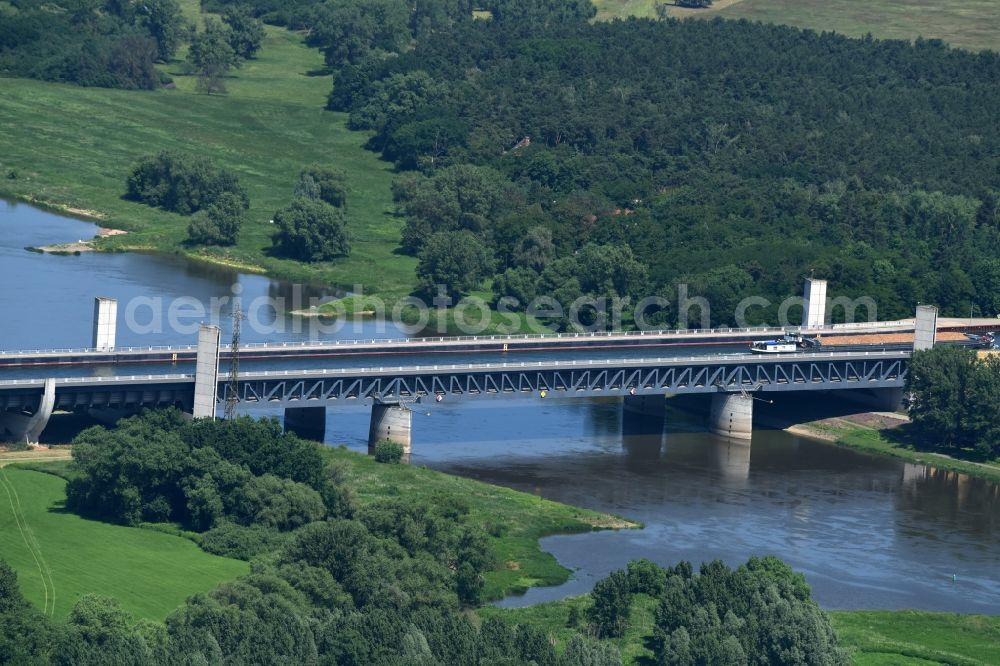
(27, 428)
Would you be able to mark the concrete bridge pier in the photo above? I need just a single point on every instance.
(814, 304)
(306, 422)
(643, 414)
(27, 428)
(391, 421)
(731, 415)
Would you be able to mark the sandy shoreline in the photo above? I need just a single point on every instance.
(80, 245)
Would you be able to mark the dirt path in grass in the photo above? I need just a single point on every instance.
(684, 12)
(34, 455)
(31, 543)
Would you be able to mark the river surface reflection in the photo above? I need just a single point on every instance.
(868, 532)
(48, 300)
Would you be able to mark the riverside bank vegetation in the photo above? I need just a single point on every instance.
(731, 170)
(336, 581)
(734, 170)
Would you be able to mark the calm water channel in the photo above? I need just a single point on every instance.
(868, 532)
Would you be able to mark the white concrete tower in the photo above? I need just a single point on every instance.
(814, 308)
(925, 328)
(105, 323)
(206, 373)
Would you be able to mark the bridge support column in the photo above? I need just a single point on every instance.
(643, 413)
(925, 328)
(105, 323)
(306, 422)
(206, 374)
(390, 421)
(814, 308)
(731, 415)
(27, 428)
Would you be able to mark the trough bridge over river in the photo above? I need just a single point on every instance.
(306, 378)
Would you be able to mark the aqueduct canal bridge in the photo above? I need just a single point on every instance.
(306, 378)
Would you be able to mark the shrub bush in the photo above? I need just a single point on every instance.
(181, 183)
(241, 542)
(388, 452)
(311, 230)
(220, 223)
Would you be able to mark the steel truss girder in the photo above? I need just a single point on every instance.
(672, 376)
(694, 378)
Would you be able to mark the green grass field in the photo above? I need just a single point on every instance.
(878, 638)
(873, 638)
(59, 556)
(971, 24)
(72, 146)
(892, 444)
(552, 617)
(520, 519)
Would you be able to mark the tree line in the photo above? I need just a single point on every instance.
(732, 170)
(953, 398)
(334, 582)
(118, 43)
(312, 227)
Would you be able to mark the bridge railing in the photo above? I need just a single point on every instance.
(735, 359)
(92, 350)
(520, 337)
(99, 380)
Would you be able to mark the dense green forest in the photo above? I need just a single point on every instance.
(732, 157)
(546, 155)
(111, 44)
(117, 43)
(387, 583)
(729, 156)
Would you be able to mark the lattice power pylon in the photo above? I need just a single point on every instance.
(232, 388)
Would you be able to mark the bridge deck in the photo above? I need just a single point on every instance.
(668, 375)
(307, 348)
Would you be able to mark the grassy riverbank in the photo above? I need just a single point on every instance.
(873, 638)
(472, 316)
(516, 520)
(60, 556)
(894, 442)
(69, 147)
(877, 638)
